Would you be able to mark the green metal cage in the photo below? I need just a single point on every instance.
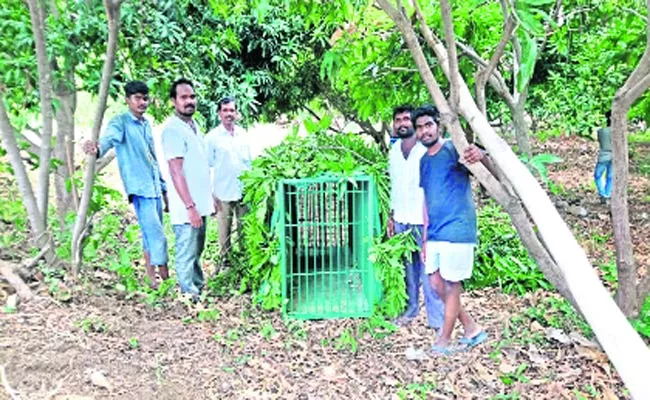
(326, 230)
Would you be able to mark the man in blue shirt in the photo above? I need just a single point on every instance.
(130, 135)
(604, 164)
(406, 199)
(449, 225)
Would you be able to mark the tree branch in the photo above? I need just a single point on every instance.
(495, 79)
(113, 13)
(450, 39)
(23, 291)
(482, 77)
(37, 16)
(20, 173)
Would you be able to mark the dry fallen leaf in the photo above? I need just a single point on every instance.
(536, 327)
(558, 335)
(413, 354)
(506, 367)
(608, 394)
(99, 379)
(534, 356)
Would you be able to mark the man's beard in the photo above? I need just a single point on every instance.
(433, 143)
(404, 133)
(188, 113)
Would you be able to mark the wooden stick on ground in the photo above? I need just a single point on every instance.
(7, 270)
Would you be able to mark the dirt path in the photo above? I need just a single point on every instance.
(51, 351)
(102, 346)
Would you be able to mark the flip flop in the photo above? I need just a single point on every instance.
(444, 350)
(473, 341)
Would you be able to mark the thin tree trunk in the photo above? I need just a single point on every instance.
(36, 221)
(628, 296)
(522, 133)
(37, 16)
(65, 131)
(612, 329)
(113, 14)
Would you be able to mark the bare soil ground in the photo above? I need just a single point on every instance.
(100, 345)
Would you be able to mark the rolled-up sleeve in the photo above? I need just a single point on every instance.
(173, 143)
(113, 136)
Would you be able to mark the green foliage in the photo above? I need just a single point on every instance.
(587, 59)
(297, 157)
(254, 51)
(92, 325)
(388, 257)
(558, 313)
(516, 376)
(346, 341)
(501, 259)
(377, 326)
(538, 164)
(642, 322)
(134, 343)
(417, 390)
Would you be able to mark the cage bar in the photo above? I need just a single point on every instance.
(326, 233)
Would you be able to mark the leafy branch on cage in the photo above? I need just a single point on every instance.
(388, 257)
(296, 158)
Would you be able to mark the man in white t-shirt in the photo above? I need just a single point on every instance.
(230, 155)
(190, 200)
(407, 199)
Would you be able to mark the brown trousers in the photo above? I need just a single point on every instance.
(231, 213)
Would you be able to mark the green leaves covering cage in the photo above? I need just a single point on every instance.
(326, 231)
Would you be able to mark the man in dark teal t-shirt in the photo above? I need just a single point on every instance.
(449, 226)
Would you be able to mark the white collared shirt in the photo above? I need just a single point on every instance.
(229, 155)
(180, 141)
(406, 195)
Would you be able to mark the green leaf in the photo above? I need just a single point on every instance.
(536, 2)
(311, 126)
(528, 60)
(528, 19)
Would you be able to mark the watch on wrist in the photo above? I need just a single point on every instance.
(190, 206)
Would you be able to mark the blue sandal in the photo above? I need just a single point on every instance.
(473, 341)
(444, 350)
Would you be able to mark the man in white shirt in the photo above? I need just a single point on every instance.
(230, 155)
(190, 200)
(407, 199)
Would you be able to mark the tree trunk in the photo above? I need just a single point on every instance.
(521, 126)
(612, 329)
(34, 215)
(628, 296)
(37, 16)
(113, 13)
(64, 136)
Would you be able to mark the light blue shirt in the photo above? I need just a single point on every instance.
(136, 158)
(180, 141)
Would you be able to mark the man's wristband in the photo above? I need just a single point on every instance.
(190, 206)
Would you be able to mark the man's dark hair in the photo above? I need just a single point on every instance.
(225, 100)
(430, 111)
(402, 109)
(182, 81)
(134, 87)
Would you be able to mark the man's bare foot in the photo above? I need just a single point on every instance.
(163, 271)
(472, 331)
(151, 274)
